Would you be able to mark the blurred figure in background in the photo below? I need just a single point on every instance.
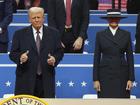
(93, 4)
(108, 4)
(26, 4)
(71, 18)
(6, 11)
(14, 3)
(137, 36)
(133, 6)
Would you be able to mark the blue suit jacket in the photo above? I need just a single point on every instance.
(6, 11)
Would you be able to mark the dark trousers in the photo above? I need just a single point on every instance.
(3, 47)
(68, 40)
(39, 91)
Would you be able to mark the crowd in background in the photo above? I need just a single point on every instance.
(131, 6)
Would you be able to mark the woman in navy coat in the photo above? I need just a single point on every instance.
(113, 59)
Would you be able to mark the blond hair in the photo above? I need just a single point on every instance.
(35, 10)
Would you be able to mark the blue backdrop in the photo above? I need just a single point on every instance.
(73, 76)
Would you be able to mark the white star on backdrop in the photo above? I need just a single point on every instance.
(135, 84)
(58, 84)
(86, 42)
(8, 83)
(83, 84)
(71, 84)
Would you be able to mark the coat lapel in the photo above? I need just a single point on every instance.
(108, 35)
(43, 42)
(73, 2)
(31, 38)
(61, 4)
(115, 39)
(118, 35)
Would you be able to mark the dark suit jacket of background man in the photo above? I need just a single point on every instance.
(93, 4)
(5, 18)
(23, 40)
(133, 6)
(137, 36)
(43, 4)
(111, 67)
(79, 13)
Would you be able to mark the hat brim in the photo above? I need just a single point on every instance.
(113, 16)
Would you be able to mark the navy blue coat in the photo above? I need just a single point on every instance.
(23, 40)
(6, 12)
(79, 12)
(113, 63)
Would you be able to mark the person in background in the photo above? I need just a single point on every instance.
(37, 50)
(133, 6)
(113, 59)
(93, 4)
(71, 18)
(6, 11)
(26, 4)
(137, 36)
(14, 4)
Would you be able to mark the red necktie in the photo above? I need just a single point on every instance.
(68, 12)
(36, 3)
(38, 40)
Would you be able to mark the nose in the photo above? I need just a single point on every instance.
(36, 19)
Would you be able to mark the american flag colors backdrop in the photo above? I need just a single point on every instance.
(73, 76)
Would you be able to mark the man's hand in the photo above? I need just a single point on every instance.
(24, 57)
(51, 60)
(78, 43)
(97, 86)
(129, 85)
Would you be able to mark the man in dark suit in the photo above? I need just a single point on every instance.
(133, 6)
(93, 4)
(5, 19)
(71, 18)
(113, 59)
(14, 4)
(36, 50)
(137, 36)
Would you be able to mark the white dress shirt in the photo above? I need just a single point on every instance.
(40, 33)
(113, 30)
(65, 2)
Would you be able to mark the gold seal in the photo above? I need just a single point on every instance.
(23, 100)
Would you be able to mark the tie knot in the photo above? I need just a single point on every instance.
(37, 31)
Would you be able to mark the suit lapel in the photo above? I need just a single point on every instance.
(109, 35)
(44, 37)
(31, 38)
(73, 3)
(61, 4)
(115, 39)
(118, 35)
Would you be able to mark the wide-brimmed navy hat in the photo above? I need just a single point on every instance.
(113, 13)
